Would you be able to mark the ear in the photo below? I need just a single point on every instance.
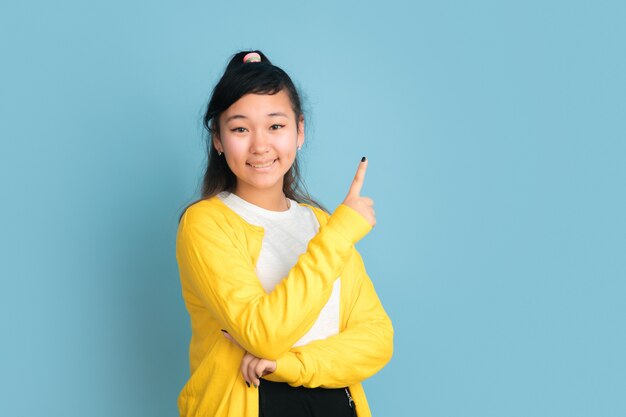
(300, 131)
(217, 143)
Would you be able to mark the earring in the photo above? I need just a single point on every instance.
(300, 147)
(219, 153)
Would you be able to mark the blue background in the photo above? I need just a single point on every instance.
(496, 133)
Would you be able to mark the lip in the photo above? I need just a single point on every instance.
(269, 161)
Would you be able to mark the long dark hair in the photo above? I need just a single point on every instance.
(238, 80)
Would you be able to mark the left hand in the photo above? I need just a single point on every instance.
(253, 368)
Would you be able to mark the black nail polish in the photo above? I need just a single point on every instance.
(248, 384)
(363, 159)
(224, 331)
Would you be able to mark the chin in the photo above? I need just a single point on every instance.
(262, 182)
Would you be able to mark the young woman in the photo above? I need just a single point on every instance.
(285, 320)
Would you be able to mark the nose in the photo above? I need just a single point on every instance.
(260, 142)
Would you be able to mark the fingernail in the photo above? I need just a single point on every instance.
(255, 386)
(224, 331)
(363, 159)
(248, 384)
(258, 377)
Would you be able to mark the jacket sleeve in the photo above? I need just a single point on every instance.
(222, 277)
(356, 353)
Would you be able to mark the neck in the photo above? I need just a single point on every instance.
(267, 199)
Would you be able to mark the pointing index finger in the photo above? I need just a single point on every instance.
(359, 178)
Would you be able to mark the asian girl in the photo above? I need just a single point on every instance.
(285, 320)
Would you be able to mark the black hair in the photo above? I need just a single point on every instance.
(240, 79)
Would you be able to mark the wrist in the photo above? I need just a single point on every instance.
(349, 223)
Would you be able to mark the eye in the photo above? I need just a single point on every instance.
(276, 126)
(238, 129)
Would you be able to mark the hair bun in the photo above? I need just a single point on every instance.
(251, 57)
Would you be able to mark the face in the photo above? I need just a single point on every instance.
(259, 136)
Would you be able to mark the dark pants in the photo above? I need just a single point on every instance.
(277, 399)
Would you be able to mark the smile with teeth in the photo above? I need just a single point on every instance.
(265, 165)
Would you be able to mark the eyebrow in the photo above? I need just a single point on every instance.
(277, 114)
(241, 116)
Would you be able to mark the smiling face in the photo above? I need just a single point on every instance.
(259, 136)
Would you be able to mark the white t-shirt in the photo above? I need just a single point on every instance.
(287, 234)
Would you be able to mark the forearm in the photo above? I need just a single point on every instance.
(266, 325)
(339, 361)
(360, 350)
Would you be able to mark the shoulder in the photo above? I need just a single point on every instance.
(205, 211)
(212, 216)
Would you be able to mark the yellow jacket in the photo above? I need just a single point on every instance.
(217, 251)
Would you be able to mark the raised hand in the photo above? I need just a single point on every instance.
(354, 200)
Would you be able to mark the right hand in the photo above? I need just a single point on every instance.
(363, 205)
(252, 368)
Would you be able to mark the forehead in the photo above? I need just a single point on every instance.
(260, 105)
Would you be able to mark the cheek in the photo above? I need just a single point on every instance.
(287, 145)
(234, 147)
(287, 149)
